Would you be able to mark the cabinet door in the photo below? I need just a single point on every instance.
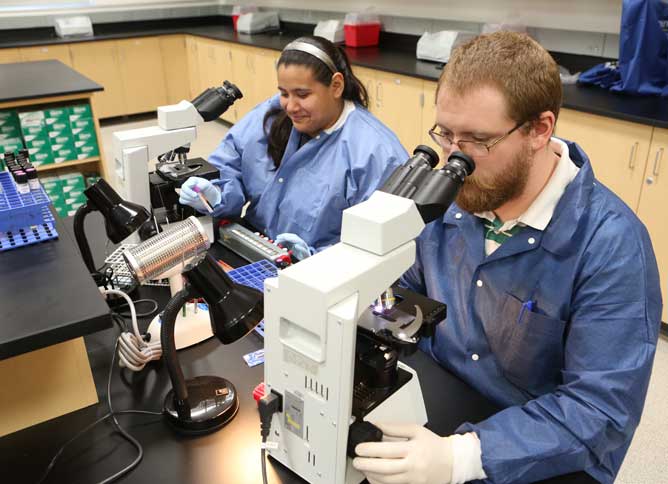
(264, 68)
(192, 55)
(224, 72)
(241, 59)
(653, 203)
(142, 73)
(174, 59)
(99, 61)
(47, 52)
(617, 150)
(368, 78)
(429, 118)
(399, 101)
(9, 55)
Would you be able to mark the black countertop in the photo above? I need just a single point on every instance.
(47, 296)
(396, 55)
(40, 79)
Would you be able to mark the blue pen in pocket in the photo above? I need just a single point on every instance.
(526, 306)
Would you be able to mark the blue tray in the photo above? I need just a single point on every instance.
(24, 218)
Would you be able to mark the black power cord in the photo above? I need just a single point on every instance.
(112, 414)
(268, 405)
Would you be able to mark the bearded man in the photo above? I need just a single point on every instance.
(551, 285)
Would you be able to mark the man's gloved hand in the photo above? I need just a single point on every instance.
(294, 243)
(409, 454)
(189, 193)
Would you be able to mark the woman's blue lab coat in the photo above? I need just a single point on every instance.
(313, 184)
(559, 327)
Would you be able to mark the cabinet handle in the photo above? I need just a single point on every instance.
(379, 94)
(657, 162)
(632, 156)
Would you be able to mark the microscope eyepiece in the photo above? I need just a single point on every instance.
(215, 101)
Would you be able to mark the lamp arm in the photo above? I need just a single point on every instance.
(80, 236)
(169, 356)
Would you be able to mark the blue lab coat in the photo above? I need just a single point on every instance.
(313, 184)
(558, 327)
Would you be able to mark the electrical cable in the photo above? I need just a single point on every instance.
(117, 426)
(136, 302)
(134, 352)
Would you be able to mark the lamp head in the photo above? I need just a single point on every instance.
(234, 309)
(121, 218)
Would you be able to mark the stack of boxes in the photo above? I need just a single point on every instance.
(61, 134)
(66, 192)
(10, 133)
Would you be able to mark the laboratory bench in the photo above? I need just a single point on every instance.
(230, 455)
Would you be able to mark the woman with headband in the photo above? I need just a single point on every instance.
(303, 156)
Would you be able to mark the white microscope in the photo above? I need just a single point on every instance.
(133, 149)
(313, 311)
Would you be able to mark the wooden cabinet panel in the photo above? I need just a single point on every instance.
(193, 66)
(398, 99)
(225, 72)
(177, 81)
(653, 202)
(617, 150)
(142, 73)
(368, 78)
(9, 55)
(47, 52)
(429, 118)
(99, 61)
(264, 68)
(241, 58)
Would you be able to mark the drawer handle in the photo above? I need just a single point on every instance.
(657, 162)
(632, 157)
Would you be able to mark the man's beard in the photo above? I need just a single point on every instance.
(487, 193)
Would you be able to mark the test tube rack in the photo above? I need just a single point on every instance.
(25, 218)
(253, 275)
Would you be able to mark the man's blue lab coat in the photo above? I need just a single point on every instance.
(559, 327)
(313, 184)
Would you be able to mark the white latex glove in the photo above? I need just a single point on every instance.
(191, 189)
(409, 454)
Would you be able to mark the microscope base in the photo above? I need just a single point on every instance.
(189, 330)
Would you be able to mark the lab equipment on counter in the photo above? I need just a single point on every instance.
(170, 141)
(437, 46)
(258, 22)
(331, 355)
(165, 255)
(77, 26)
(331, 30)
(361, 29)
(252, 246)
(238, 10)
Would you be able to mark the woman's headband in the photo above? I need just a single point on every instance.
(314, 51)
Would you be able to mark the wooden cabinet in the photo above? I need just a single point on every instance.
(617, 150)
(264, 68)
(99, 61)
(368, 78)
(9, 55)
(653, 201)
(242, 67)
(192, 65)
(175, 62)
(142, 73)
(47, 52)
(429, 118)
(398, 104)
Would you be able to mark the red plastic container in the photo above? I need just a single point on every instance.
(362, 35)
(234, 22)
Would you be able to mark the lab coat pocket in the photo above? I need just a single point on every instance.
(528, 346)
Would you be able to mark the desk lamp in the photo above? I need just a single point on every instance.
(205, 403)
(121, 218)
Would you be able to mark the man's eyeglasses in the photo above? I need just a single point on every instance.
(475, 149)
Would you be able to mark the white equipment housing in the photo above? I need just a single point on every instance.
(311, 314)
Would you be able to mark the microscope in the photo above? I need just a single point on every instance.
(169, 143)
(332, 345)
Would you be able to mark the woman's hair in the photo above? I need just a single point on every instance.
(277, 124)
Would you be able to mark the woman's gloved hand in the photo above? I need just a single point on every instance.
(190, 194)
(295, 243)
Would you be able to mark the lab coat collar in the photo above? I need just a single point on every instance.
(559, 234)
(348, 107)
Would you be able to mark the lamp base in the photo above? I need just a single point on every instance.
(190, 329)
(212, 401)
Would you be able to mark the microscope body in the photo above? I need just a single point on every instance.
(312, 310)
